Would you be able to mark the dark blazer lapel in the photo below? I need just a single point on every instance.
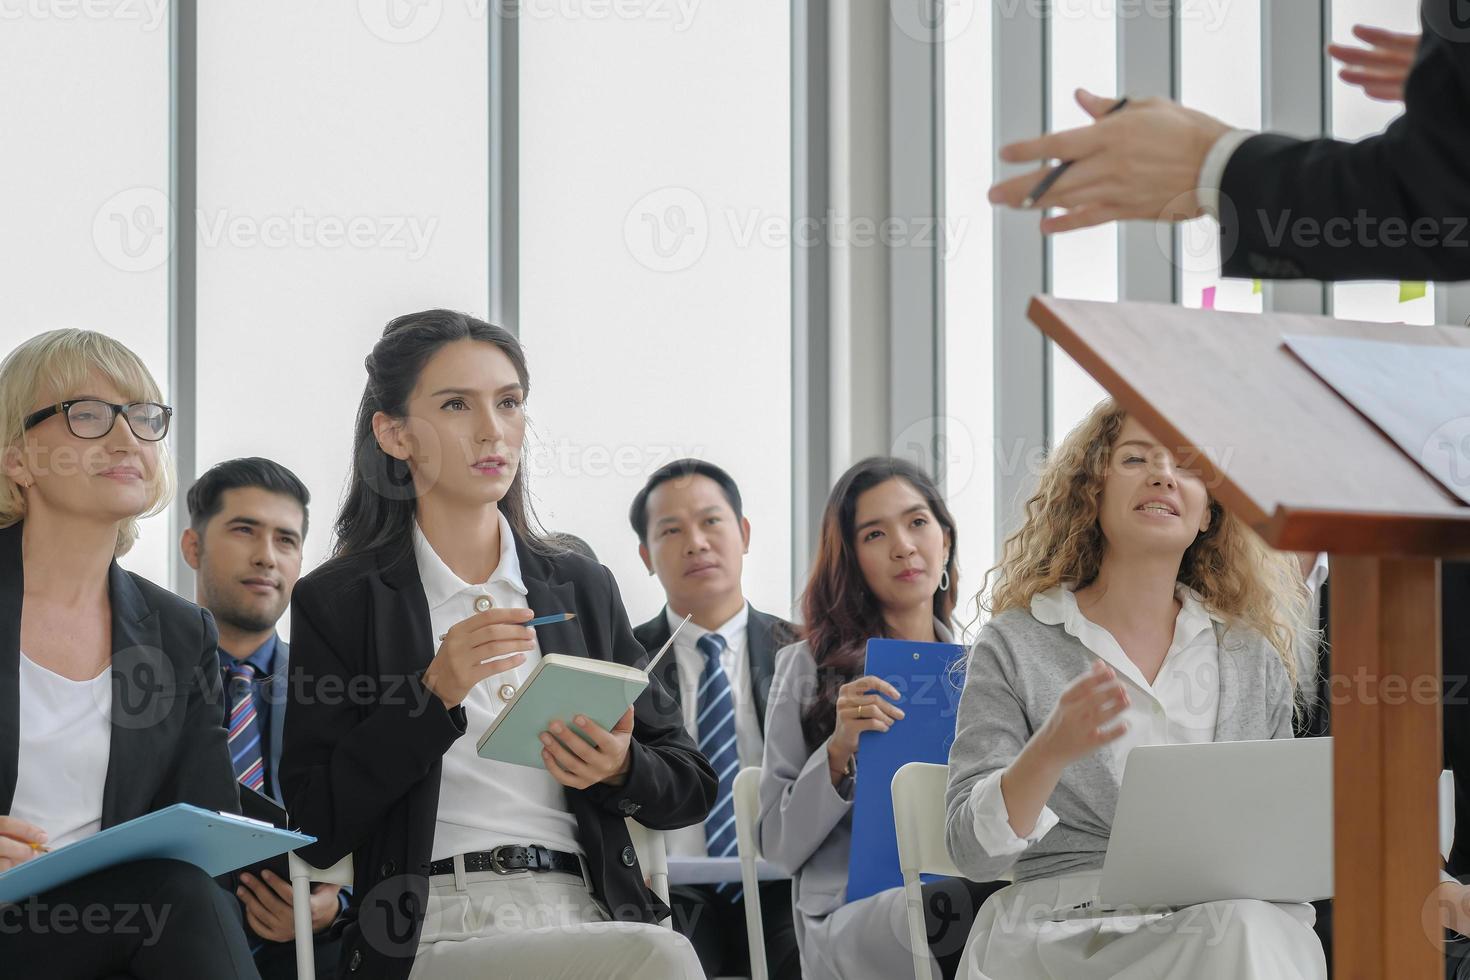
(761, 649)
(279, 689)
(149, 697)
(668, 670)
(546, 594)
(12, 587)
(402, 632)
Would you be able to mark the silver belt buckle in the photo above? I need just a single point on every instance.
(497, 865)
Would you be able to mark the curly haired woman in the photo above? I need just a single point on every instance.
(1130, 609)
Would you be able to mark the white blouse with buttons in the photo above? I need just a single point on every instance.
(1181, 704)
(484, 803)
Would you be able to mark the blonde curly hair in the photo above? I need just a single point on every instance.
(1061, 543)
(61, 362)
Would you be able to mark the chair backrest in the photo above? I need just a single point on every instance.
(338, 874)
(1446, 813)
(919, 819)
(302, 875)
(653, 858)
(747, 811)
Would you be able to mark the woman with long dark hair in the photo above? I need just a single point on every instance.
(885, 567)
(407, 644)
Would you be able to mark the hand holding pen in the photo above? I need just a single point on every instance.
(1145, 164)
(492, 641)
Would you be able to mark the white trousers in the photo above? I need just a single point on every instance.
(1243, 940)
(539, 926)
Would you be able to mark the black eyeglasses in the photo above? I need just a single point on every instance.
(92, 418)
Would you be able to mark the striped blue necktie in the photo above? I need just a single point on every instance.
(244, 727)
(717, 742)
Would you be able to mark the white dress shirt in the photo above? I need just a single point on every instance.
(65, 743)
(1212, 171)
(484, 803)
(1179, 706)
(689, 841)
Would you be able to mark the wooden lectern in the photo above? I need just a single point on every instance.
(1281, 450)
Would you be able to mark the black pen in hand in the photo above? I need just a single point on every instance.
(1055, 174)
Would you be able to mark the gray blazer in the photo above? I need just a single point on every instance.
(1017, 670)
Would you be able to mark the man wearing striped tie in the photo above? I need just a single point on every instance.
(247, 525)
(693, 535)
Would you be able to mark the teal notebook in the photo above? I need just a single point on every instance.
(558, 688)
(216, 842)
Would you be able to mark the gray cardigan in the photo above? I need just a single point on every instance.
(1017, 670)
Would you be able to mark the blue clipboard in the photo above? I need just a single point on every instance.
(216, 842)
(929, 678)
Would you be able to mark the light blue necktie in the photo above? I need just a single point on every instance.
(716, 725)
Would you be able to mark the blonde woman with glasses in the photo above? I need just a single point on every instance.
(1130, 609)
(106, 705)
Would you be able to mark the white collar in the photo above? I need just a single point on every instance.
(440, 582)
(732, 630)
(1318, 574)
(1057, 606)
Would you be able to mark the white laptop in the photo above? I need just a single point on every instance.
(1217, 821)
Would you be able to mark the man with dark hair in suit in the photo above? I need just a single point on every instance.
(693, 535)
(247, 524)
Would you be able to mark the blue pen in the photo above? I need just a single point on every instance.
(553, 618)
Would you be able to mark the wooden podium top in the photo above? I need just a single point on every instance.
(1276, 445)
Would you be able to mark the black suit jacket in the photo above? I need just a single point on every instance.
(1373, 191)
(365, 738)
(765, 635)
(168, 737)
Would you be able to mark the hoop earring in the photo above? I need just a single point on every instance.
(944, 580)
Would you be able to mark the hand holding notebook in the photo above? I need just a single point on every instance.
(559, 687)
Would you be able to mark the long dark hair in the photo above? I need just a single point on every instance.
(840, 612)
(378, 509)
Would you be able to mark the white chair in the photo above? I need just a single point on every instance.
(302, 876)
(653, 858)
(918, 819)
(747, 811)
(1446, 813)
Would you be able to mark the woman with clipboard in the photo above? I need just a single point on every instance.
(884, 568)
(407, 643)
(110, 706)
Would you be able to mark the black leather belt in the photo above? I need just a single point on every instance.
(509, 858)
